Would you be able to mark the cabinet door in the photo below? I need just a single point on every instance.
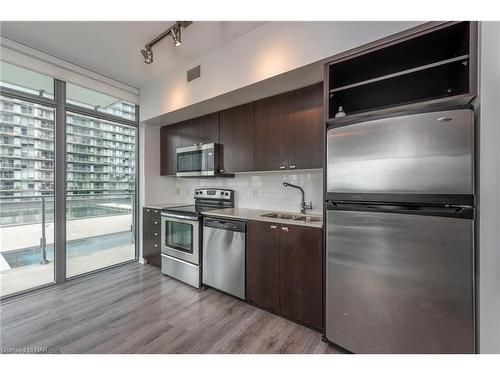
(236, 137)
(271, 137)
(146, 232)
(204, 129)
(155, 241)
(207, 128)
(151, 242)
(307, 127)
(301, 274)
(262, 265)
(170, 138)
(189, 133)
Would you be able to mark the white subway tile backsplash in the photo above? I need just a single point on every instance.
(262, 190)
(253, 190)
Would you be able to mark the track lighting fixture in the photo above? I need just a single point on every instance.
(147, 53)
(174, 31)
(176, 35)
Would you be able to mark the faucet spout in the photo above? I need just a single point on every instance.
(303, 204)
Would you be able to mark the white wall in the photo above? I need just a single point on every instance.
(269, 50)
(489, 213)
(156, 189)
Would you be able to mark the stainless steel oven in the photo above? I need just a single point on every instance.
(199, 160)
(180, 237)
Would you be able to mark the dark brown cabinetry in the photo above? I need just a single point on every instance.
(262, 265)
(170, 138)
(289, 130)
(271, 142)
(277, 133)
(307, 128)
(284, 271)
(151, 236)
(236, 136)
(301, 280)
(204, 129)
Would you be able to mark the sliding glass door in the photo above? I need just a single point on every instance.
(67, 180)
(26, 195)
(100, 193)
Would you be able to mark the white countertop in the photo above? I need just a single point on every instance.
(254, 214)
(159, 206)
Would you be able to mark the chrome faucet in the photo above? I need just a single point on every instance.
(303, 205)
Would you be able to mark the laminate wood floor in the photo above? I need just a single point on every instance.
(136, 309)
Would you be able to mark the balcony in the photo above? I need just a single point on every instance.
(99, 233)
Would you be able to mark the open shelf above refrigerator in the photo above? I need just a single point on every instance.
(430, 67)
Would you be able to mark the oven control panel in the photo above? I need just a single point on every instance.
(208, 193)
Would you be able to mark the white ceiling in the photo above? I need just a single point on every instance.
(112, 48)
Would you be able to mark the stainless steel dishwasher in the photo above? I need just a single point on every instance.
(224, 255)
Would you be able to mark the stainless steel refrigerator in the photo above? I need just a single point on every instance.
(400, 234)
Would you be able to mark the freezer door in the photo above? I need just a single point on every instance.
(399, 283)
(427, 153)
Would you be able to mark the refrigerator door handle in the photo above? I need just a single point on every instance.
(443, 211)
(410, 209)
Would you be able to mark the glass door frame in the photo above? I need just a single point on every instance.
(61, 108)
(52, 103)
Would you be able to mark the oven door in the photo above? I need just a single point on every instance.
(199, 160)
(180, 237)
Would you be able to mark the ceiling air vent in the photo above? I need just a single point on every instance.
(193, 73)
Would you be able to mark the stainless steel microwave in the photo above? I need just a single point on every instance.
(199, 160)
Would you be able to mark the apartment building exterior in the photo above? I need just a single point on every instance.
(100, 154)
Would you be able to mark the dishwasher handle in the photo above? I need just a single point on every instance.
(222, 224)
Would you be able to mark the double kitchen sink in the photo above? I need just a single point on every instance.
(306, 218)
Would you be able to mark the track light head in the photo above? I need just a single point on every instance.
(147, 53)
(175, 31)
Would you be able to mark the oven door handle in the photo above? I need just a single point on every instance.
(175, 216)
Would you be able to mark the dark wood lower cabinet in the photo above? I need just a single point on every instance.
(151, 236)
(262, 265)
(284, 271)
(301, 269)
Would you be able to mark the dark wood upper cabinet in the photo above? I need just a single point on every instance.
(204, 129)
(301, 277)
(170, 138)
(236, 136)
(277, 133)
(271, 136)
(307, 127)
(262, 265)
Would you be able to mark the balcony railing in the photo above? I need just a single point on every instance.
(34, 209)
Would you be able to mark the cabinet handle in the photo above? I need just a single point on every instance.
(221, 170)
(293, 166)
(273, 226)
(155, 245)
(148, 210)
(155, 222)
(283, 167)
(284, 229)
(156, 211)
(155, 234)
